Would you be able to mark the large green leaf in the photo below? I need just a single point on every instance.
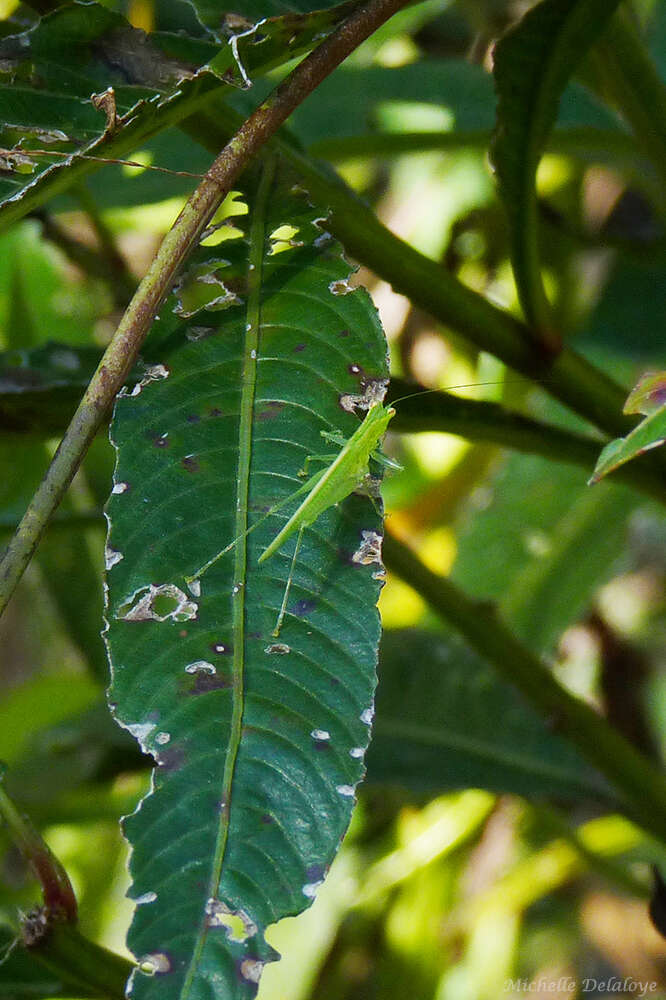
(259, 740)
(445, 720)
(532, 64)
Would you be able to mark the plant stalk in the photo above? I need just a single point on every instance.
(177, 244)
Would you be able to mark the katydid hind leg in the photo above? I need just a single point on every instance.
(285, 597)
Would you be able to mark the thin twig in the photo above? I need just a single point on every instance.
(177, 244)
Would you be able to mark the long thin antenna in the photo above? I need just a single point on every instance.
(21, 155)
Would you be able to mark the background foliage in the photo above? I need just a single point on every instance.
(485, 845)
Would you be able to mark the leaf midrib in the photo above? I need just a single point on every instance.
(248, 387)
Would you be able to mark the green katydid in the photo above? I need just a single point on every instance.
(344, 473)
(327, 487)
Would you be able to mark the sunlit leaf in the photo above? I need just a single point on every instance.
(259, 740)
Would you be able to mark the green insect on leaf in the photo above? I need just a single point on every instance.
(347, 471)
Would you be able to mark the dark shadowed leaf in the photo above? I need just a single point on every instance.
(56, 79)
(259, 740)
(446, 721)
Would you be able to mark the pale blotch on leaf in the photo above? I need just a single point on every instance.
(370, 549)
(357, 753)
(194, 587)
(147, 897)
(367, 715)
(154, 963)
(341, 287)
(162, 738)
(111, 557)
(251, 969)
(200, 667)
(278, 648)
(158, 604)
(346, 790)
(320, 735)
(310, 888)
(155, 373)
(119, 488)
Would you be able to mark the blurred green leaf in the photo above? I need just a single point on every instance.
(648, 397)
(532, 64)
(578, 555)
(41, 702)
(541, 544)
(446, 721)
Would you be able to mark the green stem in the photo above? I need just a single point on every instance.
(476, 420)
(640, 784)
(585, 143)
(628, 79)
(177, 244)
(59, 898)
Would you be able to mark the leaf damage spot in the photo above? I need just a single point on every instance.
(200, 667)
(203, 288)
(111, 557)
(162, 738)
(357, 753)
(141, 731)
(194, 587)
(341, 287)
(237, 925)
(190, 463)
(271, 410)
(347, 791)
(204, 683)
(158, 604)
(154, 373)
(278, 648)
(221, 649)
(374, 391)
(320, 735)
(154, 964)
(310, 888)
(147, 897)
(283, 238)
(119, 488)
(370, 549)
(251, 969)
(367, 715)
